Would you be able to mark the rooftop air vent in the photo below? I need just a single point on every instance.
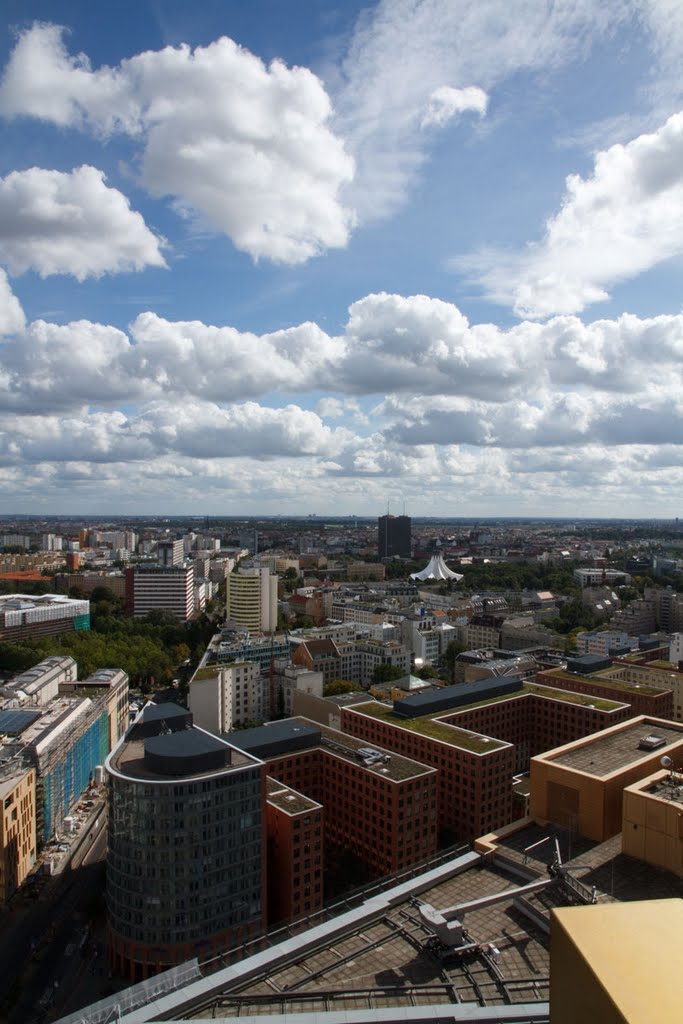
(651, 742)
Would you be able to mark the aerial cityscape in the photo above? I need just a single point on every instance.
(341, 566)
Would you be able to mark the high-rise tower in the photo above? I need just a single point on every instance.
(393, 536)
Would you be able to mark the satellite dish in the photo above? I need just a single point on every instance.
(666, 761)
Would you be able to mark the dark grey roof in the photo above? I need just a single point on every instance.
(274, 738)
(185, 753)
(455, 696)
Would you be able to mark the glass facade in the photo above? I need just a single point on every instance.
(184, 859)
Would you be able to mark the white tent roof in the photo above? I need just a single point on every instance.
(436, 570)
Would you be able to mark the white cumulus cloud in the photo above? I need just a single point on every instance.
(246, 146)
(11, 314)
(58, 223)
(622, 220)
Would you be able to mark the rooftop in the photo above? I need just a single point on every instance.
(440, 727)
(377, 960)
(617, 748)
(128, 758)
(603, 678)
(295, 735)
(289, 800)
(433, 728)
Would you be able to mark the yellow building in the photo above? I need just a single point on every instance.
(652, 828)
(252, 599)
(17, 830)
(580, 785)
(616, 963)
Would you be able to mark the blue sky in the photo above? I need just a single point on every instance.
(312, 257)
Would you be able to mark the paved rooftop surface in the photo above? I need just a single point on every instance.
(387, 962)
(607, 752)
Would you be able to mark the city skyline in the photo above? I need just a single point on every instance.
(262, 258)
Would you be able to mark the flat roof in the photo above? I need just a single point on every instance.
(128, 759)
(433, 727)
(604, 679)
(376, 959)
(287, 799)
(609, 751)
(643, 980)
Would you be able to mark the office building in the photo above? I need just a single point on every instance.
(638, 983)
(252, 599)
(652, 812)
(394, 536)
(379, 809)
(23, 616)
(478, 736)
(580, 785)
(41, 684)
(160, 588)
(647, 692)
(294, 825)
(185, 864)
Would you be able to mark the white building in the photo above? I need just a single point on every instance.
(288, 678)
(223, 696)
(603, 642)
(167, 588)
(676, 648)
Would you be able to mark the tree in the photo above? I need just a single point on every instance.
(338, 686)
(386, 674)
(448, 657)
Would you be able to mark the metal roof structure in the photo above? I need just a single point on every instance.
(436, 570)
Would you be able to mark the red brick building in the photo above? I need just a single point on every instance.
(379, 809)
(294, 827)
(644, 699)
(479, 746)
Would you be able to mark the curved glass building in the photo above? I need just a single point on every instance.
(185, 869)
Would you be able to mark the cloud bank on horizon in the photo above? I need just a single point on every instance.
(416, 151)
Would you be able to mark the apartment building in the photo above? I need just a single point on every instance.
(252, 599)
